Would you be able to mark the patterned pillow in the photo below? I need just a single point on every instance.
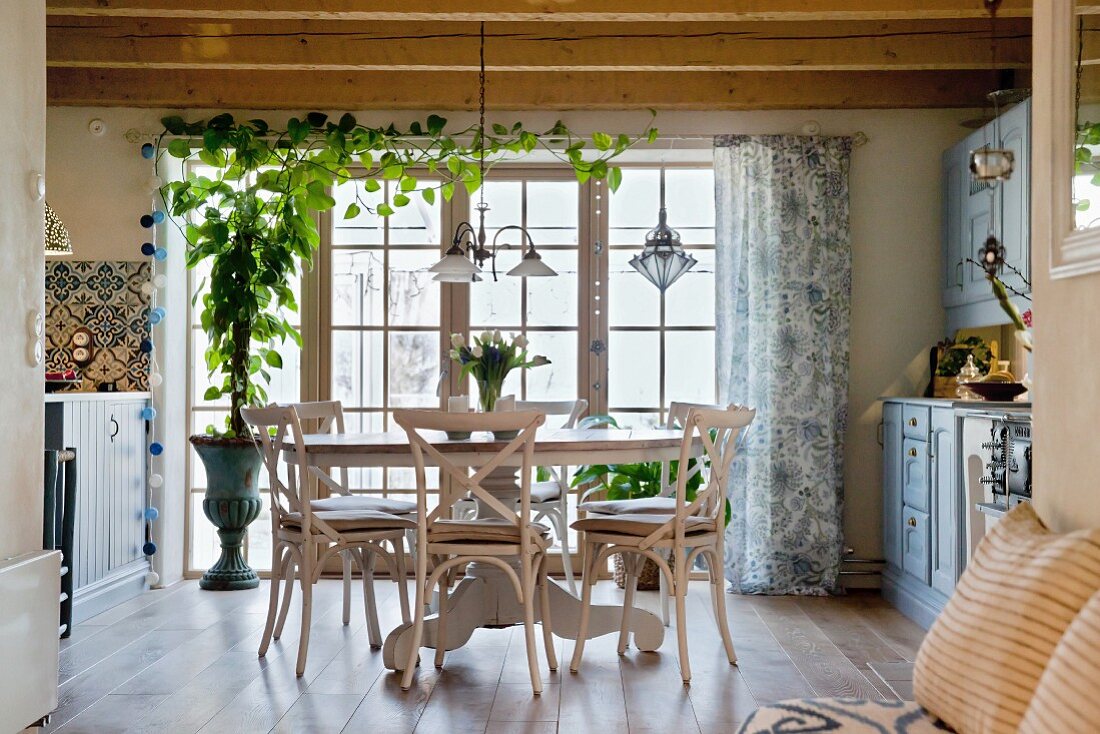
(980, 663)
(1068, 696)
(850, 716)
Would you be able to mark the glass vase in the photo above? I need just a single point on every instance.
(488, 393)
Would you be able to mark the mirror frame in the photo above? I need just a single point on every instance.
(1072, 252)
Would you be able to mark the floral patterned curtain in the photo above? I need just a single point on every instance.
(783, 276)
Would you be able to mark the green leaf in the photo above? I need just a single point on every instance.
(353, 211)
(499, 129)
(652, 136)
(400, 200)
(179, 148)
(428, 195)
(408, 183)
(392, 172)
(602, 141)
(436, 125)
(317, 119)
(614, 178)
(212, 393)
(174, 124)
(274, 359)
(448, 190)
(371, 185)
(384, 210)
(347, 122)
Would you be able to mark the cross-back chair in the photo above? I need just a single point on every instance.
(693, 529)
(510, 541)
(663, 503)
(304, 537)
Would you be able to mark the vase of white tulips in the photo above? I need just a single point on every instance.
(488, 358)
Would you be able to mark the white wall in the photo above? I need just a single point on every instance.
(895, 209)
(22, 274)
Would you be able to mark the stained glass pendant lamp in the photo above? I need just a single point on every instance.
(57, 237)
(662, 260)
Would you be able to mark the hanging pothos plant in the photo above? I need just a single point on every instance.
(253, 215)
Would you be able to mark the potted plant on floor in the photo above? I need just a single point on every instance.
(250, 212)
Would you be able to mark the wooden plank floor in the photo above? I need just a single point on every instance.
(183, 660)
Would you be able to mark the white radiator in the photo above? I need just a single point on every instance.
(30, 590)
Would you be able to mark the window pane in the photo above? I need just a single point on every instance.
(633, 300)
(205, 547)
(418, 222)
(632, 210)
(258, 538)
(552, 210)
(690, 300)
(647, 419)
(553, 301)
(357, 288)
(365, 229)
(414, 369)
(357, 368)
(689, 196)
(634, 369)
(689, 366)
(495, 304)
(505, 200)
(557, 380)
(414, 296)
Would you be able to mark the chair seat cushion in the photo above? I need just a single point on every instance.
(493, 530)
(640, 524)
(1020, 591)
(850, 716)
(545, 491)
(643, 506)
(348, 522)
(359, 503)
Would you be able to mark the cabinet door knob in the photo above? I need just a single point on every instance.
(913, 422)
(913, 453)
(911, 522)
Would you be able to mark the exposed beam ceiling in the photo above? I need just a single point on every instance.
(595, 54)
(358, 46)
(541, 10)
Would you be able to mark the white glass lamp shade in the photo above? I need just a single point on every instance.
(992, 164)
(454, 266)
(57, 236)
(456, 278)
(532, 266)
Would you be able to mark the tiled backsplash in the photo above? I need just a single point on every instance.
(106, 299)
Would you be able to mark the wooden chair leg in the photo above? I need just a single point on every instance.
(714, 565)
(441, 624)
(588, 580)
(663, 592)
(418, 621)
(527, 579)
(680, 591)
(402, 579)
(305, 577)
(278, 565)
(557, 518)
(289, 573)
(630, 565)
(544, 613)
(370, 604)
(345, 558)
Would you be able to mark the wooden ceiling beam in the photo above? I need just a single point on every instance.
(541, 10)
(358, 46)
(362, 90)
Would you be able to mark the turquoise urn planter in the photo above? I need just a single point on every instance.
(232, 501)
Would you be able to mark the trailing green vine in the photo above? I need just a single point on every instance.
(254, 217)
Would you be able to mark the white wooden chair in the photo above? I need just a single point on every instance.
(663, 503)
(327, 416)
(454, 543)
(693, 529)
(307, 538)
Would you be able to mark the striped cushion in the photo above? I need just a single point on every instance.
(980, 663)
(1068, 696)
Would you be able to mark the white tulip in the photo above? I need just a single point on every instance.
(497, 337)
(476, 351)
(539, 361)
(521, 341)
(486, 337)
(457, 341)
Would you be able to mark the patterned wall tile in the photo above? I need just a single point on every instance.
(105, 298)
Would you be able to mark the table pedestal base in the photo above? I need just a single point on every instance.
(486, 598)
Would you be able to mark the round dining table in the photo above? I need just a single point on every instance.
(484, 597)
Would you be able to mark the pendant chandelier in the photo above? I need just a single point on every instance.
(663, 260)
(57, 236)
(464, 259)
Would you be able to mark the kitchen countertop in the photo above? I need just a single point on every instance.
(956, 403)
(71, 397)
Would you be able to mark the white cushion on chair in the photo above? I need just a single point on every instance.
(641, 524)
(496, 530)
(545, 491)
(643, 506)
(361, 503)
(347, 522)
